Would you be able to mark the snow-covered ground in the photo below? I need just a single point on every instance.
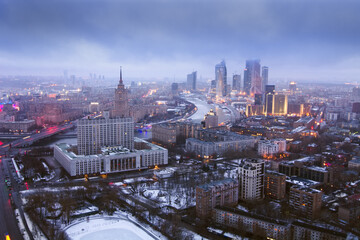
(107, 228)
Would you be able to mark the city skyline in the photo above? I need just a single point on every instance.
(298, 40)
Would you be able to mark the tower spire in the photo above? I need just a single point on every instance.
(121, 81)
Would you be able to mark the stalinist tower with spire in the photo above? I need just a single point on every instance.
(121, 100)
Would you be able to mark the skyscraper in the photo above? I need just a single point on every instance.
(236, 82)
(276, 104)
(191, 81)
(265, 77)
(221, 79)
(121, 100)
(252, 79)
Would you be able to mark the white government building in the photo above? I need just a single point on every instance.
(112, 159)
(107, 145)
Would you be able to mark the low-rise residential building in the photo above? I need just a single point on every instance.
(271, 147)
(302, 230)
(259, 226)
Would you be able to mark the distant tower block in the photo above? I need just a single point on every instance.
(292, 87)
(121, 100)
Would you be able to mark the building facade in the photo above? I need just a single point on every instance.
(259, 226)
(236, 84)
(221, 79)
(210, 142)
(211, 119)
(121, 108)
(271, 147)
(92, 134)
(251, 179)
(305, 201)
(111, 159)
(216, 194)
(275, 185)
(252, 78)
(191, 81)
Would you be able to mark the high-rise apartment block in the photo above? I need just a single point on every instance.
(275, 185)
(92, 134)
(251, 179)
(216, 194)
(305, 201)
(191, 81)
(221, 79)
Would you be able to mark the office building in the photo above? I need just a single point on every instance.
(276, 104)
(292, 87)
(305, 201)
(252, 79)
(265, 77)
(164, 134)
(191, 81)
(110, 159)
(275, 185)
(121, 100)
(236, 82)
(211, 119)
(269, 89)
(251, 179)
(172, 133)
(210, 142)
(174, 88)
(221, 79)
(94, 133)
(258, 99)
(216, 194)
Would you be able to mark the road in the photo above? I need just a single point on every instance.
(8, 222)
(28, 140)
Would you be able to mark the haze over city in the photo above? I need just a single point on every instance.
(299, 40)
(184, 120)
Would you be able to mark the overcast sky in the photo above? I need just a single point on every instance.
(309, 40)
